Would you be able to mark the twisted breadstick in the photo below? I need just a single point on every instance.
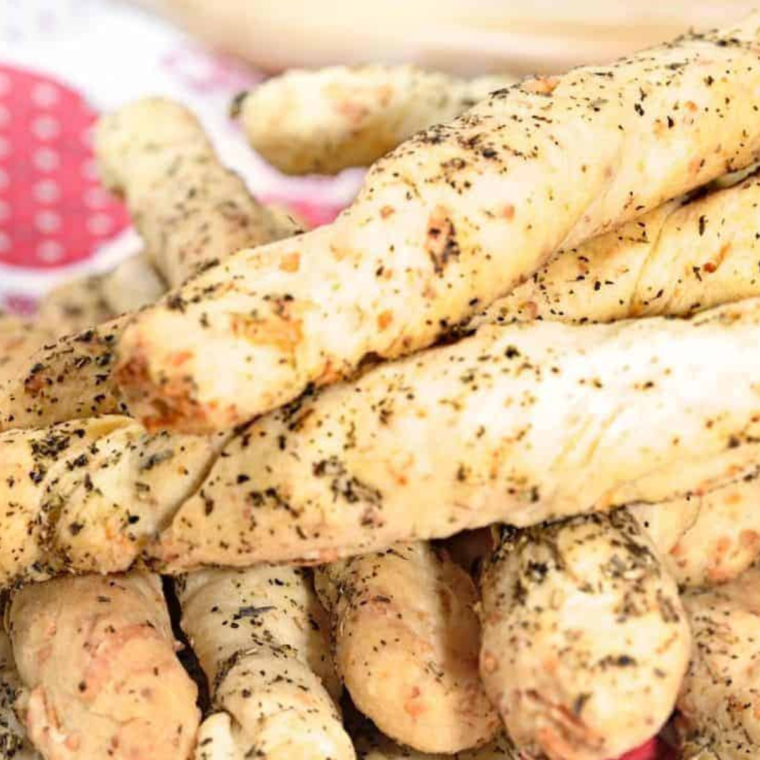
(262, 639)
(683, 257)
(191, 210)
(720, 700)
(415, 450)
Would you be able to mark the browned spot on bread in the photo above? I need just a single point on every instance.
(440, 239)
(355, 113)
(542, 85)
(384, 319)
(180, 358)
(279, 331)
(291, 262)
(489, 663)
(171, 403)
(329, 374)
(712, 266)
(387, 211)
(414, 706)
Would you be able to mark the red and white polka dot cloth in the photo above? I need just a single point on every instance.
(53, 211)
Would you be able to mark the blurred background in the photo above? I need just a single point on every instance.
(62, 62)
(462, 36)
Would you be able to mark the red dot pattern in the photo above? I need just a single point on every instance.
(53, 211)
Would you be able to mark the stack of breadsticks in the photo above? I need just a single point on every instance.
(506, 406)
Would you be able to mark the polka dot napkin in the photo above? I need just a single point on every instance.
(53, 211)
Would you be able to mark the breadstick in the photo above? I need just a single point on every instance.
(413, 450)
(416, 449)
(262, 640)
(133, 284)
(49, 376)
(450, 221)
(326, 120)
(706, 539)
(405, 637)
(648, 267)
(585, 642)
(14, 744)
(84, 302)
(75, 305)
(96, 657)
(88, 496)
(720, 700)
(190, 209)
(19, 339)
(683, 257)
(66, 379)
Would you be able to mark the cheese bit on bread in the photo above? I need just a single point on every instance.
(262, 639)
(453, 219)
(406, 637)
(322, 121)
(101, 679)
